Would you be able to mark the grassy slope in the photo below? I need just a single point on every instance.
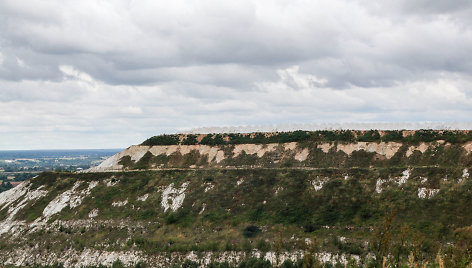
(344, 207)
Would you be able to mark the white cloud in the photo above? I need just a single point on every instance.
(72, 72)
(20, 63)
(104, 111)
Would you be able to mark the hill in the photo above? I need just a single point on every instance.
(253, 200)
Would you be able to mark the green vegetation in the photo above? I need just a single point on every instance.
(162, 140)
(407, 210)
(5, 186)
(322, 136)
(267, 207)
(251, 231)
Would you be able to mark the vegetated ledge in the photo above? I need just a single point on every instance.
(299, 149)
(407, 136)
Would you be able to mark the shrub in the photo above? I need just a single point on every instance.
(190, 140)
(118, 264)
(219, 265)
(140, 265)
(371, 135)
(320, 135)
(423, 135)
(189, 264)
(126, 161)
(181, 217)
(213, 139)
(162, 140)
(251, 231)
(56, 265)
(310, 228)
(145, 161)
(5, 186)
(392, 135)
(287, 264)
(254, 263)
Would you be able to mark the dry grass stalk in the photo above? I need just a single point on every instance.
(439, 260)
(411, 261)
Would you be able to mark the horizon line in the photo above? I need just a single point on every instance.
(332, 126)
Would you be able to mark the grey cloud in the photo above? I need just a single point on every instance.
(137, 43)
(202, 37)
(391, 50)
(436, 6)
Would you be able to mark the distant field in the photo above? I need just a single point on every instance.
(20, 165)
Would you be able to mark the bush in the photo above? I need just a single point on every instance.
(181, 217)
(213, 139)
(145, 161)
(392, 135)
(189, 264)
(5, 186)
(162, 140)
(321, 135)
(290, 264)
(190, 140)
(251, 231)
(118, 264)
(56, 265)
(126, 161)
(310, 228)
(371, 135)
(255, 263)
(218, 265)
(140, 265)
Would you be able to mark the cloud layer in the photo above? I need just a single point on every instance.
(94, 74)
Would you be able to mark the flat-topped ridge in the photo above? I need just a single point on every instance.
(308, 154)
(410, 136)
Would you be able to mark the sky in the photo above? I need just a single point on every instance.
(108, 74)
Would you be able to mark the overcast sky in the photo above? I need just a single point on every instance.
(108, 74)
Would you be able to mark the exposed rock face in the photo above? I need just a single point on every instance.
(172, 198)
(427, 193)
(226, 155)
(397, 180)
(71, 198)
(15, 200)
(90, 257)
(387, 149)
(318, 183)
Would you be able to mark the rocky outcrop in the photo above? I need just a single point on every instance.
(228, 155)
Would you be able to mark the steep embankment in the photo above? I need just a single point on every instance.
(329, 200)
(293, 154)
(92, 219)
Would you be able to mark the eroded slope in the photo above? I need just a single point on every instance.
(160, 217)
(292, 154)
